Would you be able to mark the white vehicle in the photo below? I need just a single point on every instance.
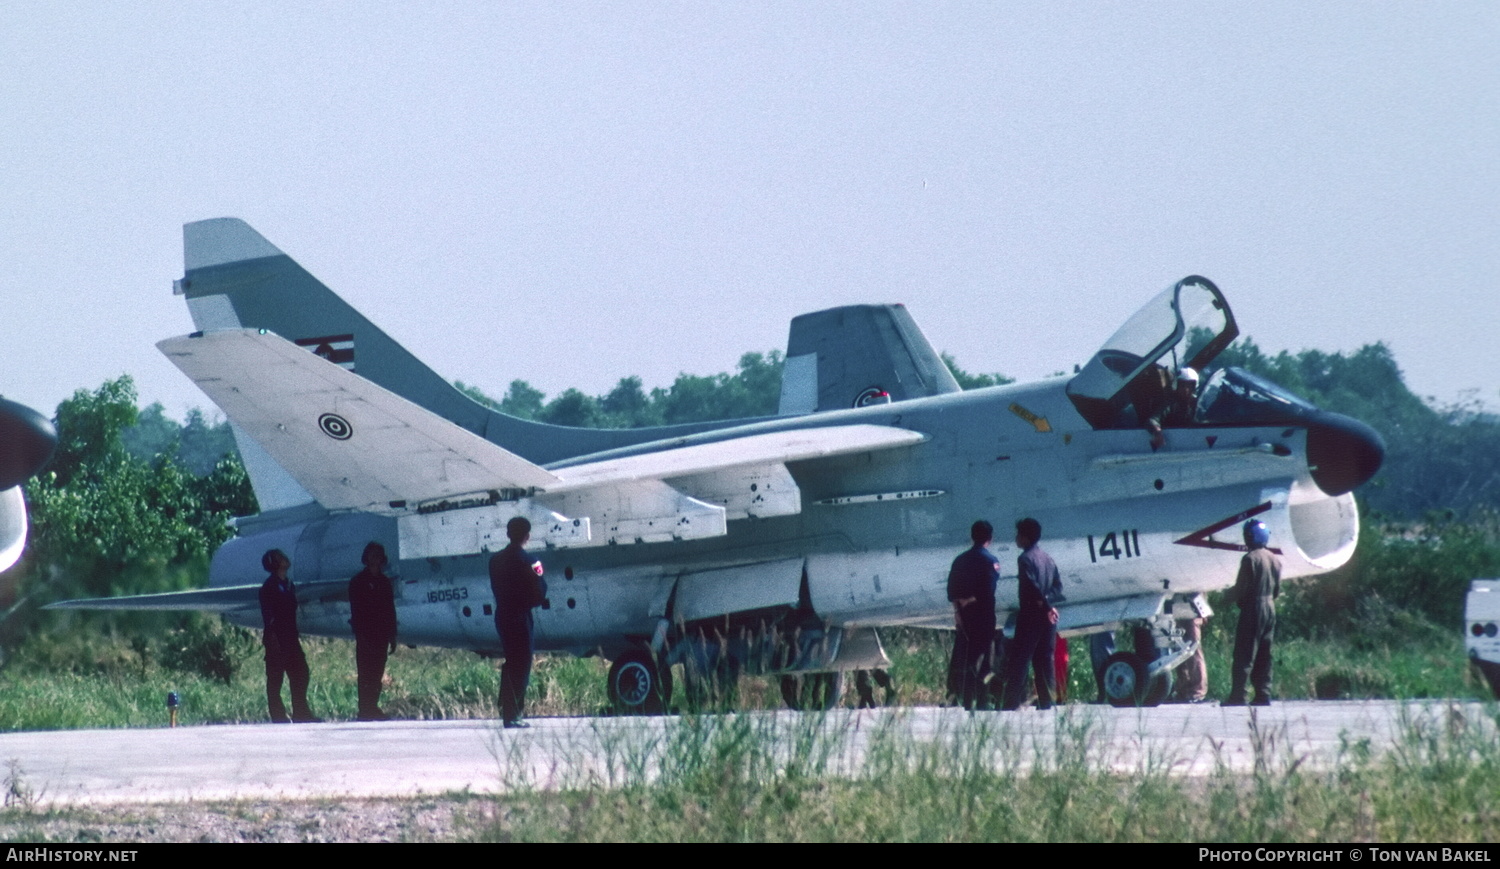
(1482, 636)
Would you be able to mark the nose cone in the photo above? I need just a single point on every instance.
(26, 442)
(1342, 453)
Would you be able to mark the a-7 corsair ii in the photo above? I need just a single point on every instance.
(776, 545)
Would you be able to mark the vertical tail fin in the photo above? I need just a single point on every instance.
(235, 279)
(850, 356)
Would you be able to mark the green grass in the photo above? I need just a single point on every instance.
(98, 678)
(780, 778)
(751, 778)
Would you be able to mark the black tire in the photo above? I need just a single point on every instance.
(813, 692)
(1125, 680)
(637, 686)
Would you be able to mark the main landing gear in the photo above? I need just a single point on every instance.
(640, 679)
(1144, 677)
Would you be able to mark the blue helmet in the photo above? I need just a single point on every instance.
(1256, 533)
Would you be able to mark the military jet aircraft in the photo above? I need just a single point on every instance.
(778, 545)
(27, 440)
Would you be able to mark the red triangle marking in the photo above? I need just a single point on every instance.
(1202, 537)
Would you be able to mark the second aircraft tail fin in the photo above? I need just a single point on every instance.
(858, 355)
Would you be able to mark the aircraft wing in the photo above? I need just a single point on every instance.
(692, 491)
(355, 445)
(350, 443)
(774, 448)
(215, 600)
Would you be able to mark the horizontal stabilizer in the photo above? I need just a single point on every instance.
(214, 600)
(348, 442)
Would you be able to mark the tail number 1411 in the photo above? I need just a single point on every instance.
(1126, 544)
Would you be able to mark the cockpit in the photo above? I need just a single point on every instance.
(1234, 396)
(1145, 376)
(1131, 377)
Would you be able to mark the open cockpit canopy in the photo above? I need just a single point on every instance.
(1185, 325)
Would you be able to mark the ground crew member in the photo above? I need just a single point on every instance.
(971, 588)
(1040, 590)
(1255, 590)
(519, 588)
(284, 657)
(372, 615)
(1191, 682)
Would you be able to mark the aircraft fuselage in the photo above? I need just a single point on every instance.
(877, 531)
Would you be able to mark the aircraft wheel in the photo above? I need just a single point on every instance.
(637, 686)
(812, 692)
(1125, 680)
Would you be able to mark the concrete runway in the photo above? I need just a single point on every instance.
(408, 758)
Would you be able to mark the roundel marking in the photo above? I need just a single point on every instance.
(872, 395)
(335, 426)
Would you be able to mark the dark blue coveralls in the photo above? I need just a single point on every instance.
(518, 590)
(973, 575)
(1040, 588)
(284, 657)
(372, 615)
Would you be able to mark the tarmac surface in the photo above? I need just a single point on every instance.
(410, 758)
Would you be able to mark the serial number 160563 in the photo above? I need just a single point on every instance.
(446, 594)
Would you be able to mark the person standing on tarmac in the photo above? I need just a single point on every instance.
(519, 588)
(1040, 589)
(1255, 590)
(971, 588)
(372, 615)
(284, 657)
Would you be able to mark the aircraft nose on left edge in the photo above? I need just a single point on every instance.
(27, 440)
(1342, 452)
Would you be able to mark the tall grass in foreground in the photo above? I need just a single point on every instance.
(784, 778)
(102, 679)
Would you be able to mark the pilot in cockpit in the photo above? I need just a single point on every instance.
(1180, 409)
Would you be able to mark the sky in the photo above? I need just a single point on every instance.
(572, 193)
